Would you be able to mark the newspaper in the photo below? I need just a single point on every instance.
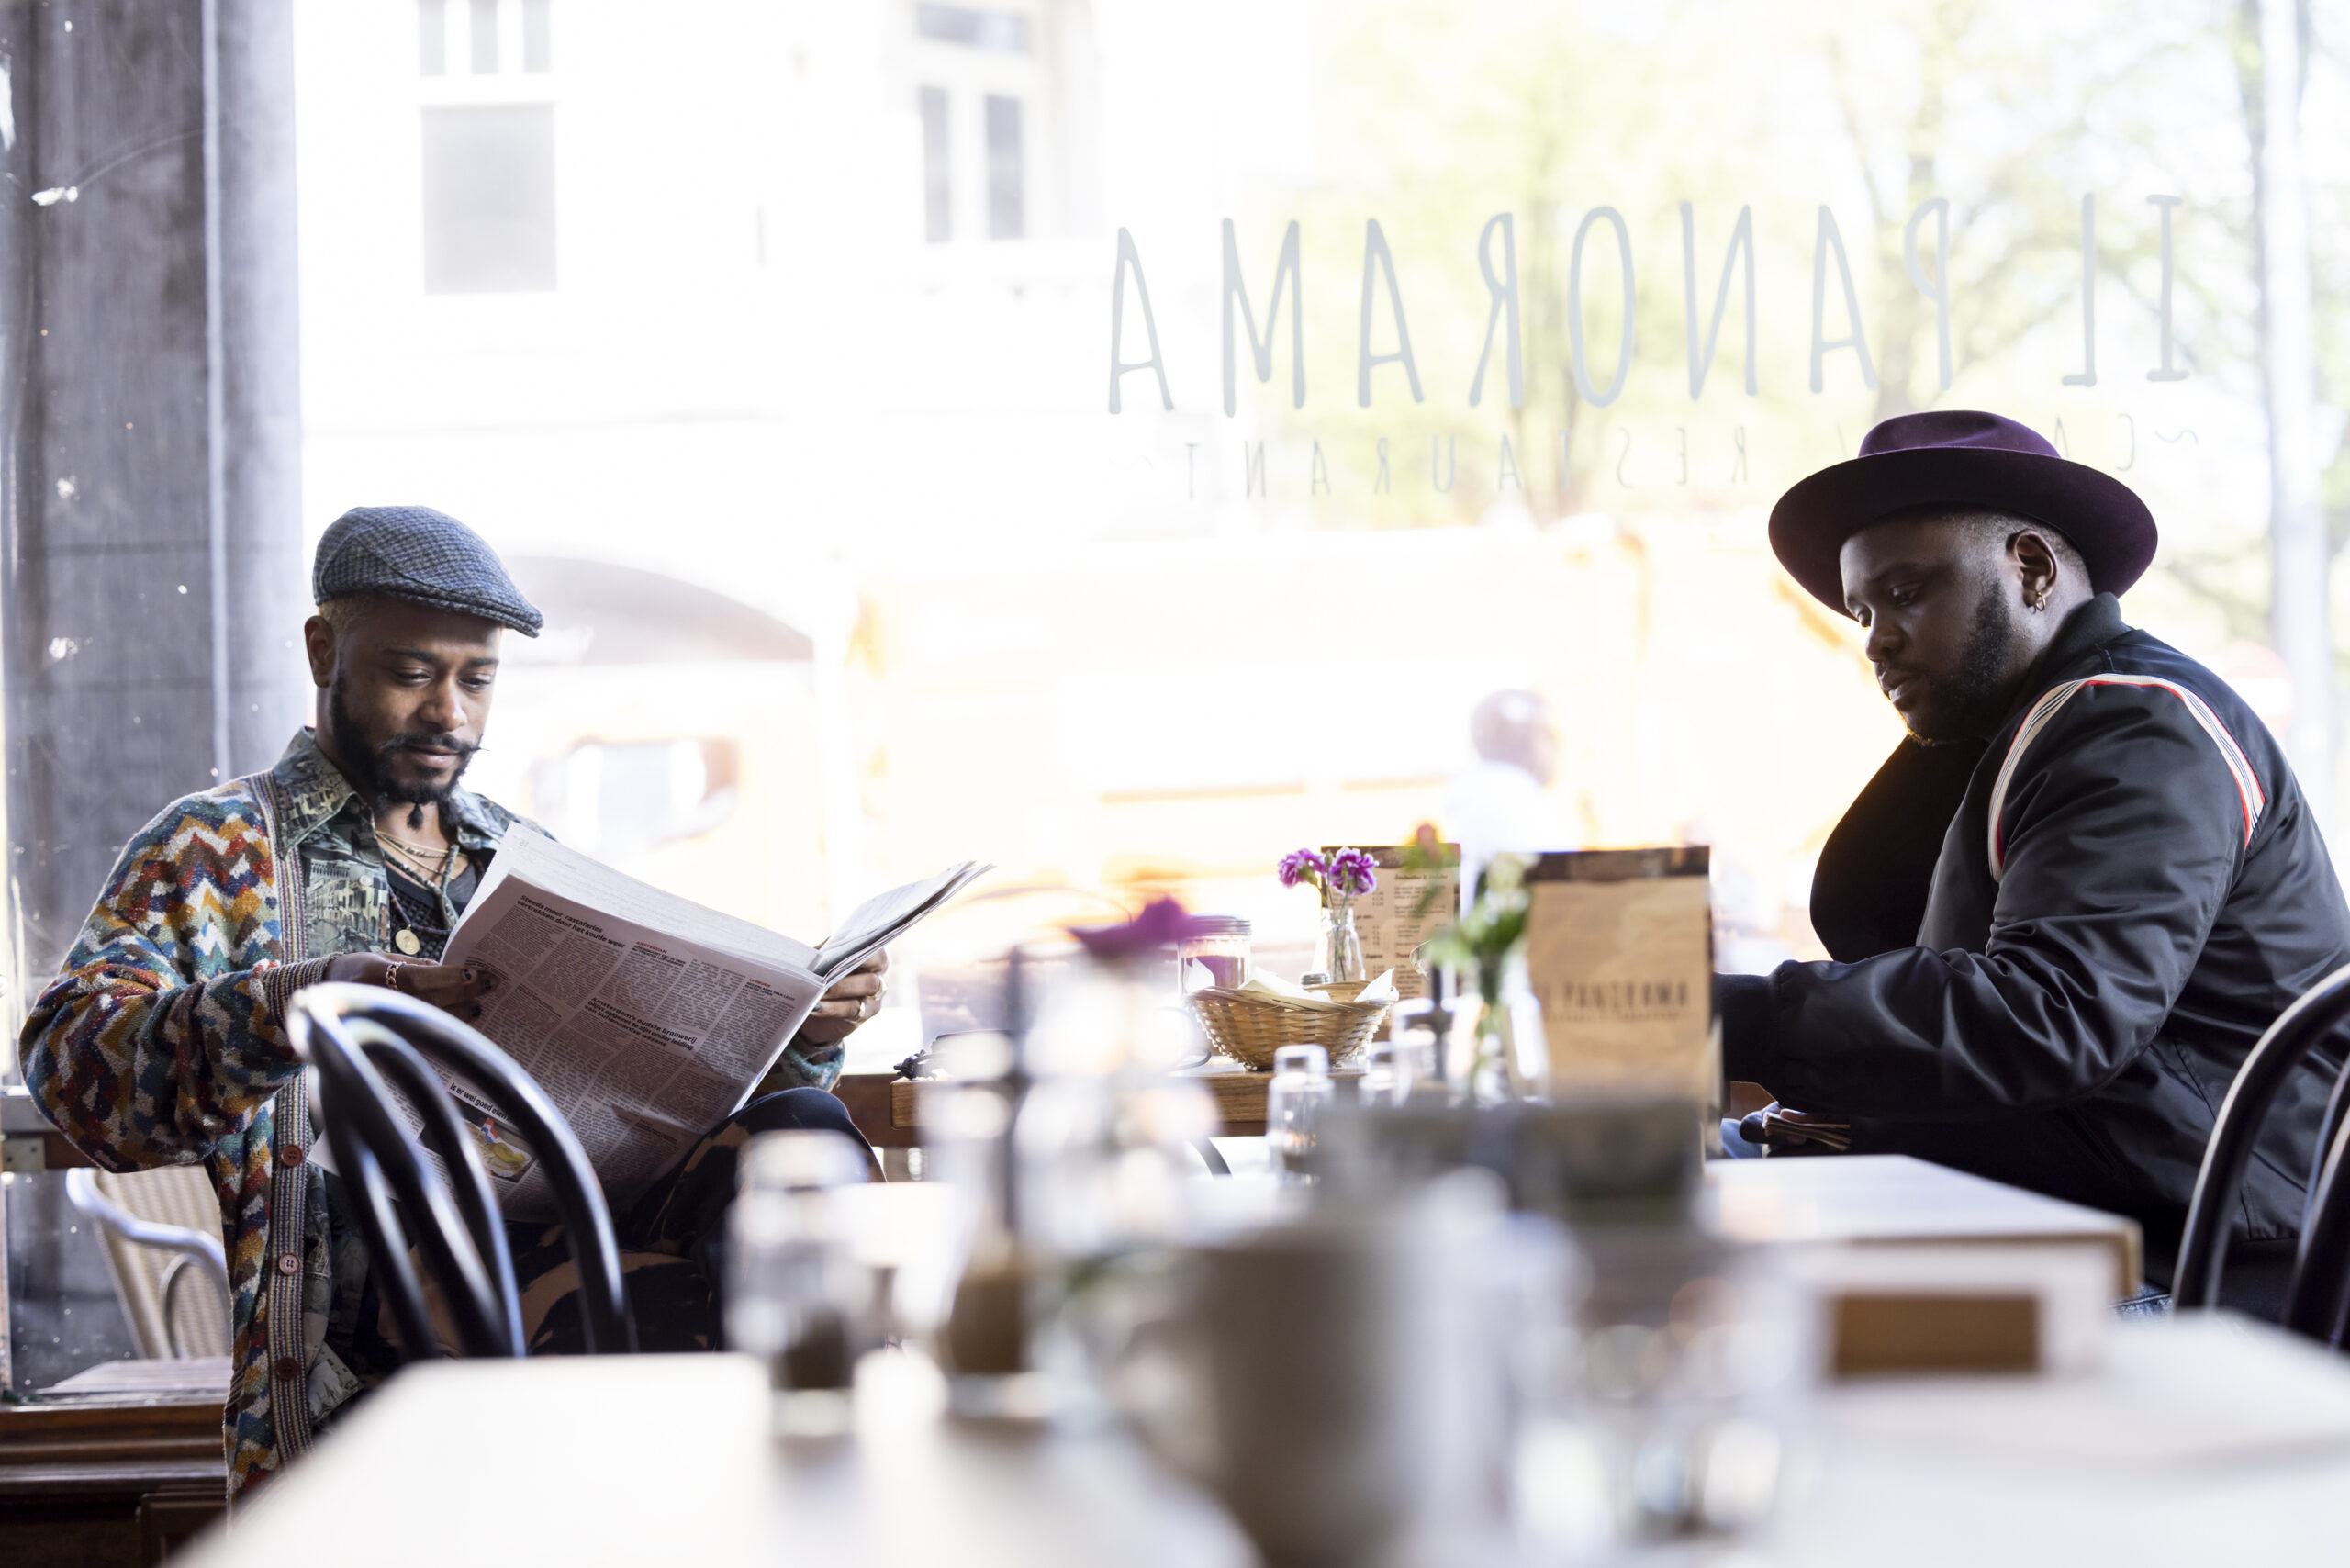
(647, 1018)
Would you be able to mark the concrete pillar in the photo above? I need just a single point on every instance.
(149, 400)
(261, 361)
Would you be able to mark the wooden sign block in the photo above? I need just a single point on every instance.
(1619, 949)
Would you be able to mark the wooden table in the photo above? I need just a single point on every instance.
(1240, 1104)
(123, 1473)
(2203, 1442)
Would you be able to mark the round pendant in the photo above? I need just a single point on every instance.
(405, 940)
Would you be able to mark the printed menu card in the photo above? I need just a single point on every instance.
(1619, 949)
(1397, 916)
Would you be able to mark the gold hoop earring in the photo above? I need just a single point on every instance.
(2040, 599)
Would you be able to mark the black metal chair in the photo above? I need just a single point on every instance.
(365, 1041)
(2317, 1302)
(2314, 1298)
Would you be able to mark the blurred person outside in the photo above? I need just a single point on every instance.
(1501, 804)
(164, 1040)
(2077, 894)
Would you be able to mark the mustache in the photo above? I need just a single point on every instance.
(408, 740)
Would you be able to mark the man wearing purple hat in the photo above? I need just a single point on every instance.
(2075, 895)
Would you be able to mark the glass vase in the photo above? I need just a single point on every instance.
(1338, 953)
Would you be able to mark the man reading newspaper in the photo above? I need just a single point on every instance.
(165, 1042)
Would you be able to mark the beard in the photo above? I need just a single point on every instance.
(1968, 703)
(373, 761)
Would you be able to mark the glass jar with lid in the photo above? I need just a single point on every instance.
(1219, 944)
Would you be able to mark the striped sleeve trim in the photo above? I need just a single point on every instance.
(275, 987)
(2249, 794)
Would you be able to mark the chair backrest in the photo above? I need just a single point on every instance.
(365, 1041)
(2317, 1300)
(2270, 1064)
(162, 1233)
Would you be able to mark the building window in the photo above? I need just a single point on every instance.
(999, 30)
(432, 37)
(937, 168)
(617, 798)
(985, 104)
(484, 38)
(1007, 204)
(488, 199)
(538, 36)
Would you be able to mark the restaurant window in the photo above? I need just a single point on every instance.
(488, 199)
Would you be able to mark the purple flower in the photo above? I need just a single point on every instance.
(1161, 926)
(1302, 866)
(1353, 873)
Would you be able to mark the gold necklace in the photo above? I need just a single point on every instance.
(410, 844)
(436, 873)
(415, 857)
(433, 869)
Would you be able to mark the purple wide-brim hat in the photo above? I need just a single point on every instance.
(1958, 457)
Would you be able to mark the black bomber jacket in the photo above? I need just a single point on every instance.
(2053, 951)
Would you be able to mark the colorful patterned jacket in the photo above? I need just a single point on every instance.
(164, 1042)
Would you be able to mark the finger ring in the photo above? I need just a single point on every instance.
(392, 977)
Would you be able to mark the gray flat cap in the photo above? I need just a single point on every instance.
(416, 552)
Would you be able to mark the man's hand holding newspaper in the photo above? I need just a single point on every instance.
(854, 998)
(455, 988)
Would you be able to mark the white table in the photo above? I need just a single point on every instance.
(2203, 1442)
(658, 1460)
(1869, 1199)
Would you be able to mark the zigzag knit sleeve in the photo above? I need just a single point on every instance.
(166, 1030)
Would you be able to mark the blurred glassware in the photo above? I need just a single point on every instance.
(1107, 1136)
(983, 1340)
(800, 1162)
(1663, 1415)
(1421, 1028)
(1339, 1379)
(1496, 1068)
(905, 1232)
(1296, 1105)
(796, 1293)
(1219, 944)
(1086, 1156)
(1385, 1081)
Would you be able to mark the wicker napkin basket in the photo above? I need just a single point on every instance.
(1250, 1026)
